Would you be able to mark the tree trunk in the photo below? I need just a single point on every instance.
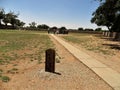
(110, 32)
(0, 22)
(6, 24)
(108, 28)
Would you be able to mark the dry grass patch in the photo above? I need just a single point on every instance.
(21, 49)
(93, 42)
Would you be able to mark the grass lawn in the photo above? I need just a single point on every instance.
(16, 46)
(91, 42)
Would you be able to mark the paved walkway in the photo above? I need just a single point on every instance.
(107, 74)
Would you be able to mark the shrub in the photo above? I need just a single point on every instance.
(98, 29)
(1, 71)
(5, 78)
(80, 29)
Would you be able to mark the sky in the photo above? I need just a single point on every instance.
(69, 13)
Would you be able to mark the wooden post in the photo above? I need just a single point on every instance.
(103, 33)
(50, 61)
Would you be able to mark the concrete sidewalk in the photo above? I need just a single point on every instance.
(107, 74)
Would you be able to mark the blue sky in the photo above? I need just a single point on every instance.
(68, 13)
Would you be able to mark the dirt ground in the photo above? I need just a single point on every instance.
(111, 59)
(70, 74)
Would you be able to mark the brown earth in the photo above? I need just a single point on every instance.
(111, 59)
(70, 74)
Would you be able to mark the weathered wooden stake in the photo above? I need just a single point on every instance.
(50, 61)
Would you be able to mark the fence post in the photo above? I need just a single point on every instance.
(50, 60)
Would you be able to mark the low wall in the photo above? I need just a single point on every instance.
(89, 32)
(114, 35)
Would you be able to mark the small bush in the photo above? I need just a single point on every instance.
(1, 71)
(13, 71)
(98, 29)
(5, 78)
(80, 29)
(57, 60)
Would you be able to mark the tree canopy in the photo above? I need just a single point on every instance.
(107, 14)
(80, 29)
(54, 27)
(2, 13)
(10, 18)
(43, 26)
(32, 25)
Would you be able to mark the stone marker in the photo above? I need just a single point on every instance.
(50, 61)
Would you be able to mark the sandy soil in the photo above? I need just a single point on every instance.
(70, 74)
(111, 60)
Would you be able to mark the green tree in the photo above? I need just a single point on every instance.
(39, 26)
(43, 26)
(10, 18)
(108, 14)
(62, 30)
(98, 29)
(6, 19)
(54, 28)
(32, 25)
(80, 29)
(2, 14)
(13, 19)
(22, 24)
(19, 23)
(105, 14)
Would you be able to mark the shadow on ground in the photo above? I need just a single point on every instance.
(113, 46)
(57, 73)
